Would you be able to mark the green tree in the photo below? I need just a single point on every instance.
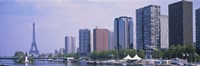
(122, 53)
(76, 55)
(94, 55)
(132, 52)
(20, 55)
(165, 54)
(179, 51)
(191, 51)
(158, 54)
(171, 52)
(186, 52)
(141, 53)
(102, 55)
(115, 53)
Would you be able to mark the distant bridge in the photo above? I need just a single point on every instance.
(9, 58)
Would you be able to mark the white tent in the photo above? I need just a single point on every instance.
(128, 58)
(136, 57)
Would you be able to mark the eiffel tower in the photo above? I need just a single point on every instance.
(34, 50)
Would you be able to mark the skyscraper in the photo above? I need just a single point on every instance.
(100, 39)
(84, 42)
(123, 32)
(164, 36)
(180, 23)
(70, 45)
(197, 12)
(148, 28)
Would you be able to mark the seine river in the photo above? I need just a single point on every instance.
(45, 63)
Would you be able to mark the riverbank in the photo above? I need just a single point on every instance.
(84, 63)
(154, 62)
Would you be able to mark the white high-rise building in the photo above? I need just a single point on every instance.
(70, 45)
(164, 38)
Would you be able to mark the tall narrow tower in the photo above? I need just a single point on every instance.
(34, 50)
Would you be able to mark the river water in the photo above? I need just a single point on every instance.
(45, 63)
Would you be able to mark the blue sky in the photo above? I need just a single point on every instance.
(56, 19)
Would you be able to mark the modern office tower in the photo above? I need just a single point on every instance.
(70, 45)
(197, 12)
(148, 29)
(111, 40)
(100, 39)
(180, 23)
(84, 42)
(164, 32)
(34, 50)
(123, 32)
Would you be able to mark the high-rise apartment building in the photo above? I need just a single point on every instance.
(164, 35)
(70, 45)
(123, 32)
(180, 23)
(197, 12)
(100, 39)
(148, 29)
(84, 42)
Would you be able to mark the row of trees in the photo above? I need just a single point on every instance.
(113, 54)
(184, 52)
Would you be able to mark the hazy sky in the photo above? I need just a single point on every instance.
(56, 19)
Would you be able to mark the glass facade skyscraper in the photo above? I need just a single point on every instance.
(84, 42)
(123, 32)
(148, 29)
(197, 12)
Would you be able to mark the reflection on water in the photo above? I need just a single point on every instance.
(38, 63)
(45, 63)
